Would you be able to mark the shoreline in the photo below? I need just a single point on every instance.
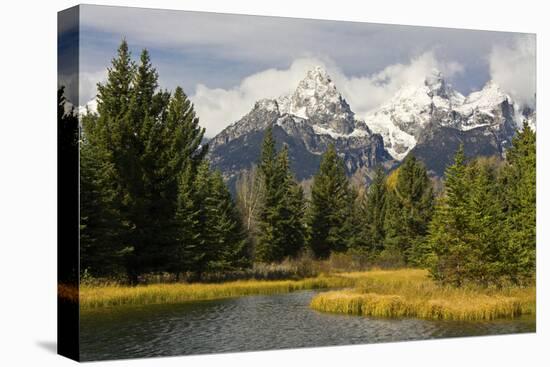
(95, 297)
(374, 293)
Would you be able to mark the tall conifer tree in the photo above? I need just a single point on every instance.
(140, 145)
(104, 137)
(331, 207)
(268, 248)
(372, 213)
(409, 206)
(450, 223)
(520, 207)
(292, 208)
(281, 230)
(485, 232)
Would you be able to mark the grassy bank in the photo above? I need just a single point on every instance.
(411, 293)
(92, 297)
(376, 293)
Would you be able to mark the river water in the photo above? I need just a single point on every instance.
(255, 323)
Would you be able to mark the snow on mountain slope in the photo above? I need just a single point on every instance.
(403, 120)
(484, 100)
(316, 97)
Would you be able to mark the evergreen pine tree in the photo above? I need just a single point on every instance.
(181, 154)
(146, 208)
(204, 249)
(331, 207)
(211, 233)
(281, 232)
(519, 197)
(471, 233)
(449, 224)
(230, 246)
(485, 232)
(183, 135)
(372, 211)
(268, 248)
(114, 96)
(292, 208)
(409, 207)
(105, 230)
(187, 226)
(139, 145)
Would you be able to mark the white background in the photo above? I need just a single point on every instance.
(28, 182)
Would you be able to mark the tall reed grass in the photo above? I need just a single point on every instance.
(411, 293)
(92, 297)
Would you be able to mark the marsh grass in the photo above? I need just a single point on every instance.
(93, 297)
(411, 293)
(375, 293)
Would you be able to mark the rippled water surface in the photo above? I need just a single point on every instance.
(255, 323)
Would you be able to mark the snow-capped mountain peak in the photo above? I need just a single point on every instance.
(309, 119)
(404, 118)
(401, 120)
(428, 117)
(317, 99)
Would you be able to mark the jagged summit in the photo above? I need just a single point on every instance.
(415, 110)
(438, 86)
(309, 119)
(403, 118)
(317, 99)
(315, 102)
(429, 119)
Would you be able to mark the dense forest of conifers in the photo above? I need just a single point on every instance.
(150, 203)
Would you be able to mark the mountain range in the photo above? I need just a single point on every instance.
(429, 120)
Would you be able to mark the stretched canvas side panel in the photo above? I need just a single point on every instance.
(68, 184)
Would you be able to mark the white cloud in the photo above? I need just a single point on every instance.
(88, 85)
(368, 92)
(514, 68)
(217, 108)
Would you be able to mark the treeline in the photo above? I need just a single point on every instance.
(149, 202)
(480, 229)
(386, 223)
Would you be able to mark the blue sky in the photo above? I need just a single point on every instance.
(224, 61)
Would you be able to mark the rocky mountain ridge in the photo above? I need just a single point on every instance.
(308, 120)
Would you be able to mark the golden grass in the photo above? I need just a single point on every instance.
(411, 293)
(92, 297)
(376, 293)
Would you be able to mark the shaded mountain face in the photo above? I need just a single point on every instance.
(308, 121)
